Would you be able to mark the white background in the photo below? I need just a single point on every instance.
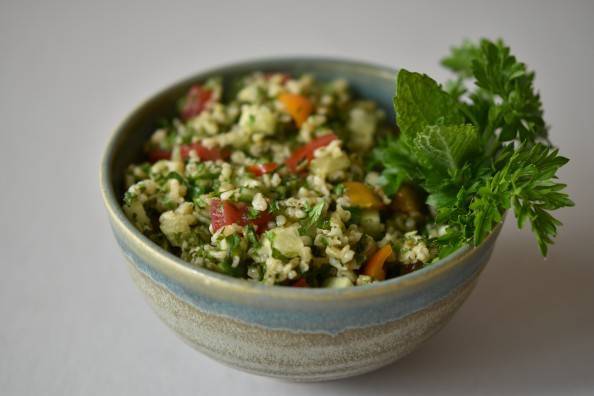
(71, 322)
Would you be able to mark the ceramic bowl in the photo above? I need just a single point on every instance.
(292, 333)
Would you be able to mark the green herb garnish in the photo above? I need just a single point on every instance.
(314, 218)
(252, 213)
(476, 152)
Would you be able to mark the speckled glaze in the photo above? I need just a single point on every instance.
(291, 333)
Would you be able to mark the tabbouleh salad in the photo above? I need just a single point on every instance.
(273, 186)
(297, 182)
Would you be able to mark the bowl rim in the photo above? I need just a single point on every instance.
(182, 270)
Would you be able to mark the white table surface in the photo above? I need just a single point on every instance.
(72, 323)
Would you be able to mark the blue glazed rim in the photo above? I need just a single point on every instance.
(175, 267)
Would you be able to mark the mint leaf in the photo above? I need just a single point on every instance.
(445, 147)
(420, 102)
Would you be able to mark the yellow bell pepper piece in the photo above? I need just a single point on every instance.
(362, 196)
(298, 107)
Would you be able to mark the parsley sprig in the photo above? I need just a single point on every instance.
(476, 151)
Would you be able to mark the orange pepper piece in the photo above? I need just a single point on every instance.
(298, 107)
(375, 265)
(362, 196)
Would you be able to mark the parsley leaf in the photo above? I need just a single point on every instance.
(461, 58)
(506, 85)
(314, 218)
(395, 157)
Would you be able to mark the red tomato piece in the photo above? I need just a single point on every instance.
(307, 151)
(261, 222)
(159, 154)
(217, 217)
(300, 283)
(260, 169)
(196, 100)
(224, 213)
(296, 157)
(233, 214)
(204, 153)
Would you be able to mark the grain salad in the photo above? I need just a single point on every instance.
(272, 182)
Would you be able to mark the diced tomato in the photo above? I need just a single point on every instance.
(159, 154)
(319, 142)
(261, 222)
(217, 217)
(300, 283)
(307, 151)
(195, 101)
(204, 153)
(296, 157)
(224, 213)
(260, 169)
